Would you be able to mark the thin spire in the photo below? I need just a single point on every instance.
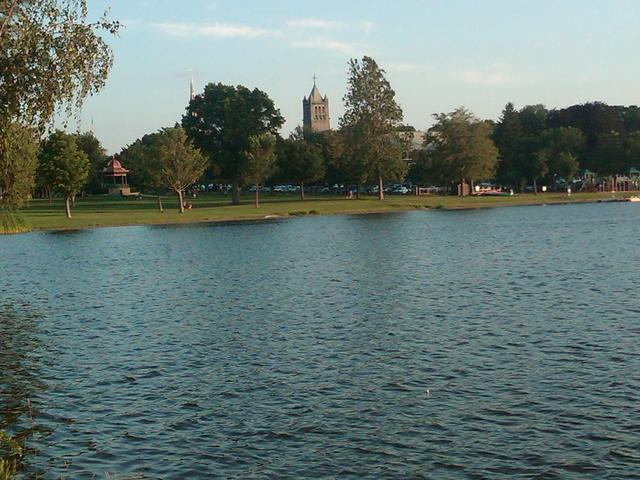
(314, 79)
(192, 91)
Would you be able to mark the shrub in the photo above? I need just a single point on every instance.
(10, 454)
(12, 222)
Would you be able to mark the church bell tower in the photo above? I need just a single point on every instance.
(315, 110)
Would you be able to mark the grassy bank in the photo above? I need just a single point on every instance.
(102, 211)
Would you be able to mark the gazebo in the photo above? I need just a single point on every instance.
(114, 177)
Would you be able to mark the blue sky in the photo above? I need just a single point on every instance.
(438, 55)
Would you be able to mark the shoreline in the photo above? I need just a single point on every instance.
(297, 208)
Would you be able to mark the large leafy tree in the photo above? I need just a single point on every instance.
(181, 164)
(18, 162)
(143, 163)
(331, 143)
(370, 123)
(63, 166)
(51, 56)
(260, 159)
(538, 166)
(562, 147)
(507, 135)
(222, 120)
(461, 146)
(91, 146)
(610, 156)
(302, 162)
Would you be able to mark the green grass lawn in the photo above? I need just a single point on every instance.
(101, 211)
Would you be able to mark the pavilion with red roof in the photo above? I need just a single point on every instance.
(114, 177)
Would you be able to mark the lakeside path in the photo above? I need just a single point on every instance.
(103, 211)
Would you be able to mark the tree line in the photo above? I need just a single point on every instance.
(536, 143)
(230, 133)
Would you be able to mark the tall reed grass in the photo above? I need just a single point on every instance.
(11, 452)
(12, 222)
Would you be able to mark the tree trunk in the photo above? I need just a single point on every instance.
(49, 194)
(535, 187)
(257, 195)
(160, 203)
(67, 204)
(180, 199)
(301, 190)
(472, 187)
(73, 201)
(380, 188)
(235, 194)
(357, 191)
(523, 182)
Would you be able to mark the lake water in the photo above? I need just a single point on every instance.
(499, 343)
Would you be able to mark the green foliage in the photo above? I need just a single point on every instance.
(596, 119)
(560, 146)
(260, 156)
(18, 162)
(331, 143)
(301, 162)
(11, 452)
(461, 147)
(424, 169)
(539, 165)
(222, 120)
(507, 135)
(565, 165)
(373, 143)
(12, 222)
(143, 163)
(97, 155)
(181, 164)
(600, 137)
(64, 167)
(50, 56)
(610, 155)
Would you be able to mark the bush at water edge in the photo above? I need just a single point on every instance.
(12, 222)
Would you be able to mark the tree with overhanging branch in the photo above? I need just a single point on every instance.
(51, 58)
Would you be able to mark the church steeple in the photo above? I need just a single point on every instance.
(315, 110)
(192, 91)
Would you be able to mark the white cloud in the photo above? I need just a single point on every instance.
(318, 24)
(215, 30)
(312, 23)
(497, 76)
(326, 44)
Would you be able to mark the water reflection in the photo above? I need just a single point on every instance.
(20, 379)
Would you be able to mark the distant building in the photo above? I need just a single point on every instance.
(315, 110)
(417, 140)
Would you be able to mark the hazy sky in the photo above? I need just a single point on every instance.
(438, 54)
